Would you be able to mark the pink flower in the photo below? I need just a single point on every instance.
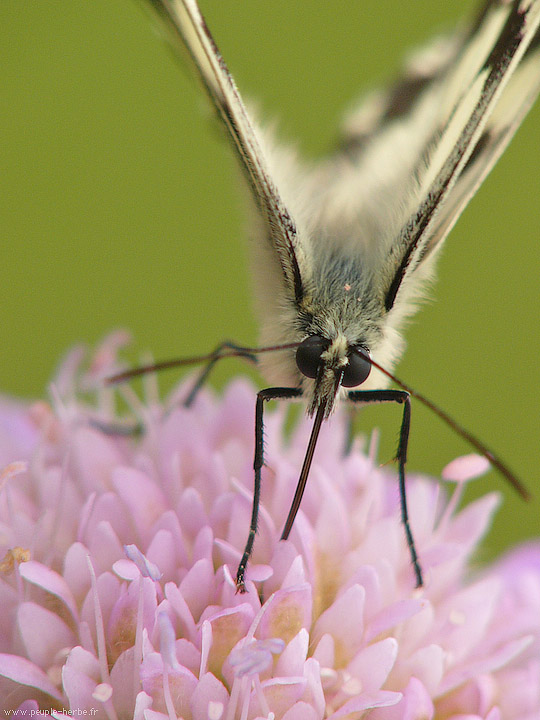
(119, 554)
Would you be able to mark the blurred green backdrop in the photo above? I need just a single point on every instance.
(121, 208)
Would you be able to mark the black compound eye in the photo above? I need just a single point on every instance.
(357, 370)
(308, 355)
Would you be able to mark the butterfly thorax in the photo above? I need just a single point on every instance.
(342, 313)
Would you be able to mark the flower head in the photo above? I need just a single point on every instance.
(119, 554)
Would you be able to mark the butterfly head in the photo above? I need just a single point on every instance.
(332, 365)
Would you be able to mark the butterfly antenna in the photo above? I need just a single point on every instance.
(475, 442)
(223, 351)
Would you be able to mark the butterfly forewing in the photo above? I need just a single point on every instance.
(187, 28)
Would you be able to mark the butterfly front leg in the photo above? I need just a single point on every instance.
(276, 393)
(403, 398)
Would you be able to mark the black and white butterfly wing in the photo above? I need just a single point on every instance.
(188, 30)
(439, 130)
(411, 157)
(495, 96)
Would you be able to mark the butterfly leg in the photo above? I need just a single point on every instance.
(217, 354)
(403, 398)
(258, 463)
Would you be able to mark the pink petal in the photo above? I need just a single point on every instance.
(25, 672)
(167, 526)
(314, 690)
(43, 633)
(180, 606)
(371, 580)
(287, 613)
(18, 433)
(280, 694)
(108, 590)
(468, 615)
(258, 573)
(332, 529)
(423, 502)
(142, 497)
(191, 512)
(143, 703)
(367, 701)
(95, 456)
(197, 587)
(301, 711)
(325, 652)
(188, 655)
(154, 715)
(494, 661)
(204, 544)
(182, 683)
(428, 664)
(524, 560)
(296, 574)
(167, 639)
(372, 665)
(394, 615)
(344, 620)
(228, 628)
(282, 560)
(39, 574)
(11, 470)
(473, 521)
(107, 523)
(105, 357)
(417, 704)
(209, 697)
(76, 572)
(292, 659)
(85, 662)
(465, 468)
(79, 687)
(68, 368)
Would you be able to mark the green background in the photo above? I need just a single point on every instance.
(120, 207)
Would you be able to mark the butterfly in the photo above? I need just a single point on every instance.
(344, 248)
